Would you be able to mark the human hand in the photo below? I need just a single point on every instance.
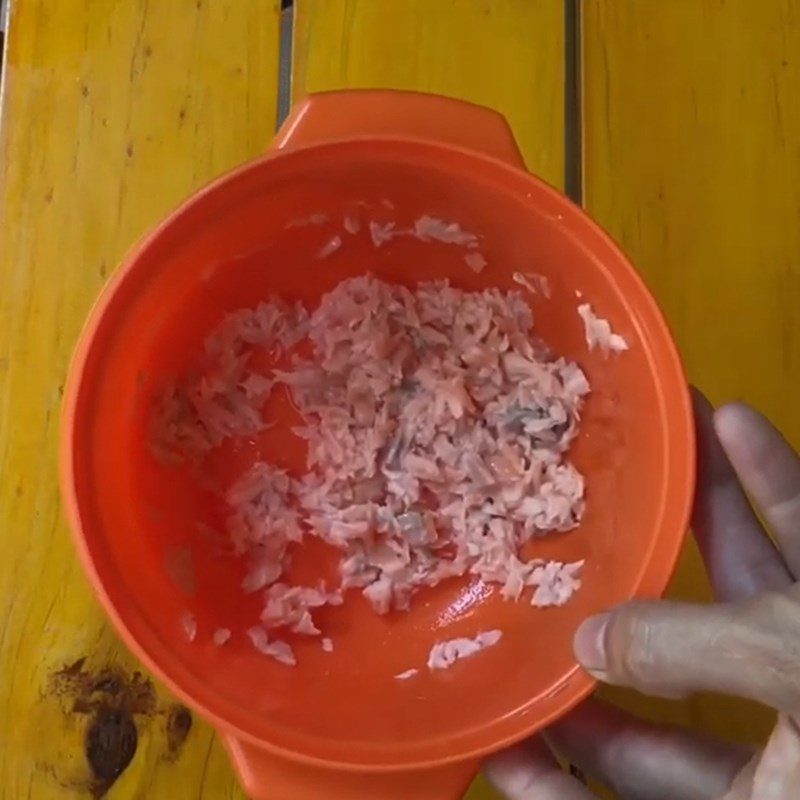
(747, 645)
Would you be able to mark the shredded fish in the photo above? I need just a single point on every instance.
(429, 228)
(381, 232)
(409, 673)
(445, 654)
(351, 224)
(221, 636)
(224, 397)
(426, 228)
(189, 625)
(533, 283)
(437, 428)
(330, 247)
(475, 261)
(598, 332)
(277, 649)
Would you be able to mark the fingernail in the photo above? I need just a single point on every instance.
(589, 644)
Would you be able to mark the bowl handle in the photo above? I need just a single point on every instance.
(386, 113)
(270, 777)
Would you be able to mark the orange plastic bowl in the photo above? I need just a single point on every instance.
(339, 725)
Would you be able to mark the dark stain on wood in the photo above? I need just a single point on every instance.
(111, 698)
(110, 687)
(72, 670)
(179, 723)
(117, 705)
(111, 741)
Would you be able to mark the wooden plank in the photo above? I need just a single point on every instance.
(506, 54)
(691, 161)
(112, 113)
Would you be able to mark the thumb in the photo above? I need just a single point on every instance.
(672, 649)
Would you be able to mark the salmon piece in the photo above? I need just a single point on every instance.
(429, 228)
(189, 626)
(221, 636)
(444, 654)
(223, 397)
(277, 649)
(330, 247)
(438, 429)
(475, 261)
(534, 283)
(598, 332)
(380, 233)
(351, 224)
(404, 676)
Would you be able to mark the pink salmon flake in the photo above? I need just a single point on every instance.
(189, 626)
(224, 397)
(598, 332)
(429, 228)
(380, 233)
(437, 428)
(409, 673)
(330, 247)
(351, 224)
(445, 654)
(277, 649)
(221, 636)
(533, 283)
(475, 261)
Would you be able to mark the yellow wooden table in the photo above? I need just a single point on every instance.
(114, 110)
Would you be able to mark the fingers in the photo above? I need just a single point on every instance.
(640, 761)
(643, 761)
(529, 772)
(740, 559)
(769, 469)
(777, 776)
(672, 649)
(742, 788)
(775, 773)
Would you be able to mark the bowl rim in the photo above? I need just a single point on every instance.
(655, 573)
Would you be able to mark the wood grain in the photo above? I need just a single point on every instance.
(112, 113)
(505, 54)
(691, 161)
